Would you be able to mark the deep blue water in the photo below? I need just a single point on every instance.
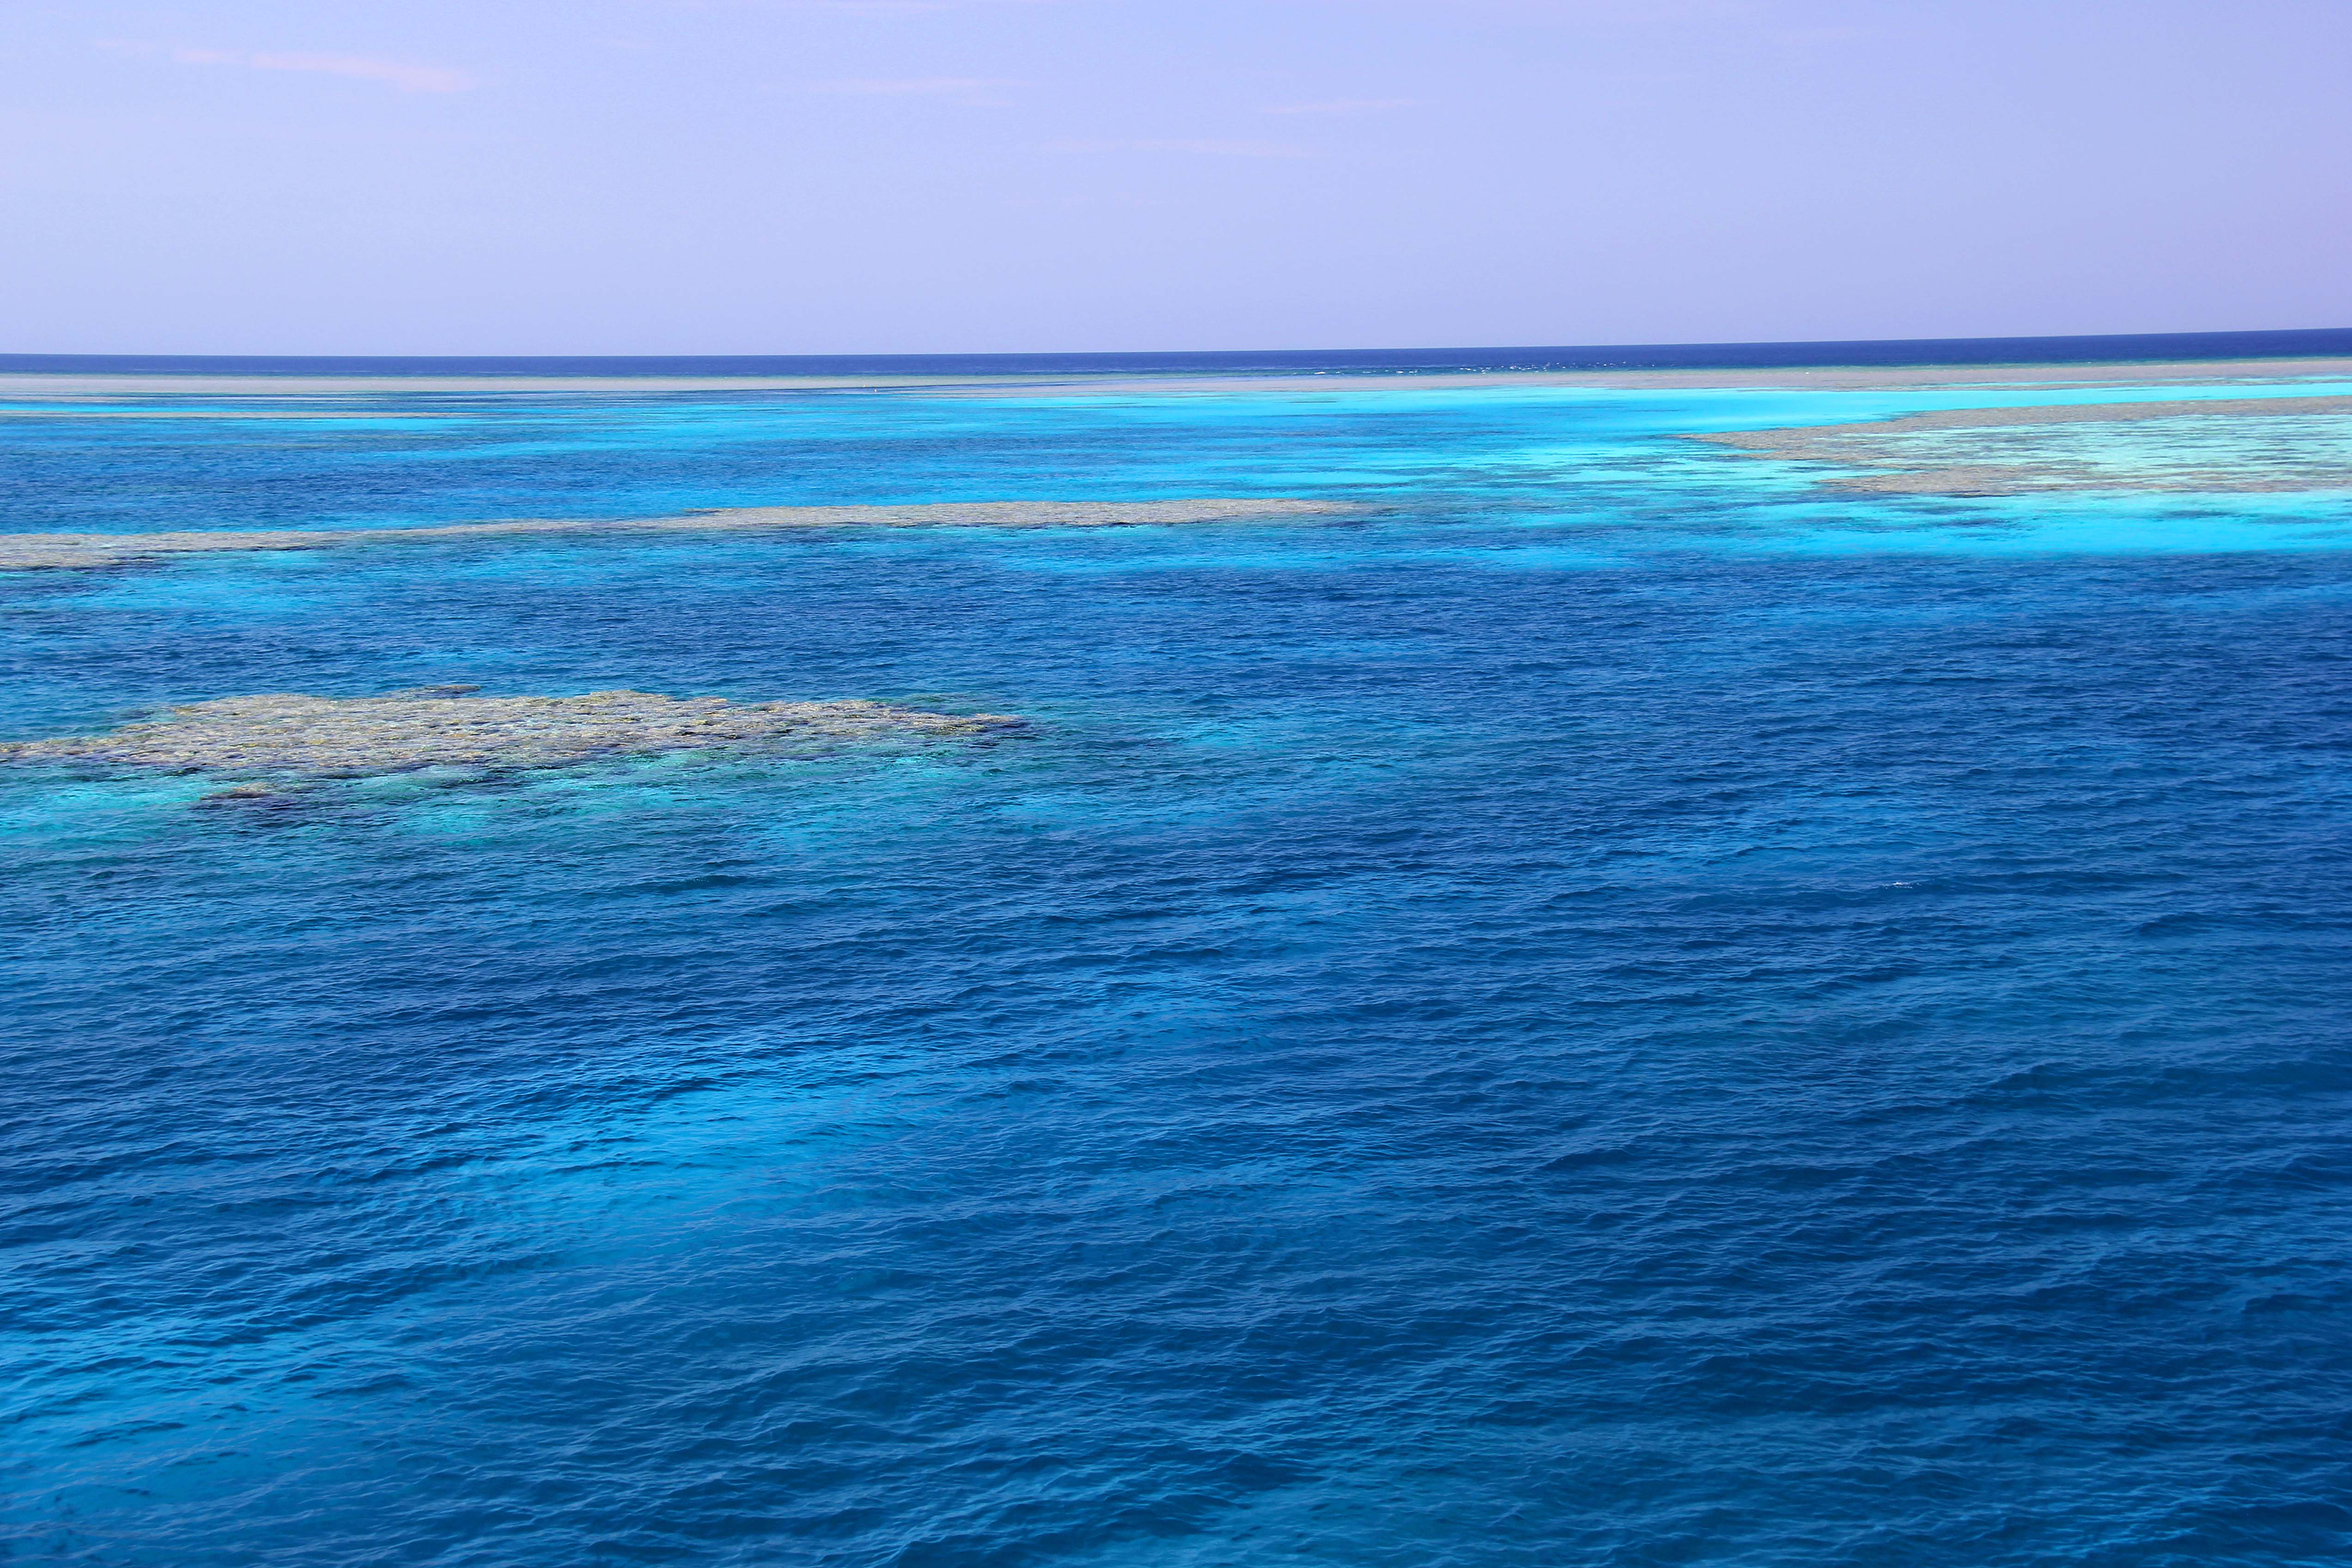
(2101, 349)
(1618, 1010)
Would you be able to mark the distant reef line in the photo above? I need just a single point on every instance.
(87, 388)
(2302, 444)
(32, 552)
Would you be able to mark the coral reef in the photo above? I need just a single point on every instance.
(25, 552)
(2232, 445)
(285, 736)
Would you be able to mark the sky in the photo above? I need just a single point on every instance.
(911, 176)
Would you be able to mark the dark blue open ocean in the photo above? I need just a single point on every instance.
(1620, 1010)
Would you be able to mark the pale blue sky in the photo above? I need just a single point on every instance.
(823, 176)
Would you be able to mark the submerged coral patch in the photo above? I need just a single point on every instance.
(291, 736)
(2238, 446)
(28, 552)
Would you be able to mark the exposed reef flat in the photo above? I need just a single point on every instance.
(285, 736)
(28, 552)
(2235, 445)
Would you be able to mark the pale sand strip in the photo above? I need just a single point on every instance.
(25, 552)
(1804, 378)
(288, 735)
(1905, 457)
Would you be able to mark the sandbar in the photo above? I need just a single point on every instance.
(290, 736)
(29, 552)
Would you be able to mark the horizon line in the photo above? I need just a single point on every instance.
(2256, 343)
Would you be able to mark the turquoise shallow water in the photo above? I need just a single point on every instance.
(1618, 1009)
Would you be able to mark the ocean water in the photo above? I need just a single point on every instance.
(1614, 1009)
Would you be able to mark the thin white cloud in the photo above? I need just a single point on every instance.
(963, 90)
(1347, 106)
(405, 74)
(869, 7)
(1209, 146)
(873, 7)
